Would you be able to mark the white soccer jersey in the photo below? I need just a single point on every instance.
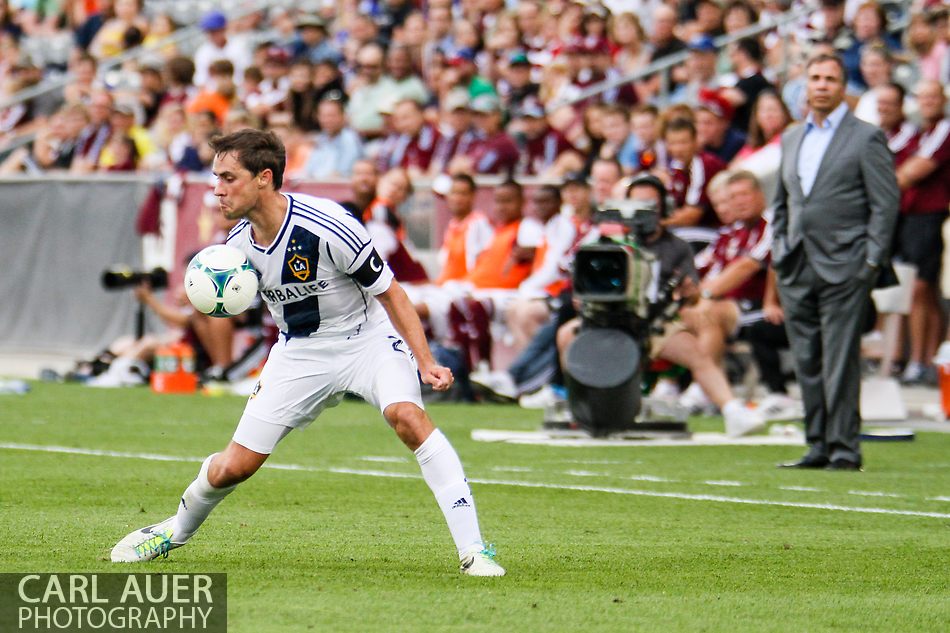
(319, 275)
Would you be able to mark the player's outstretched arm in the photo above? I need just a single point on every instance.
(404, 318)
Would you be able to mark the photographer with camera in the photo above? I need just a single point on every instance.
(671, 262)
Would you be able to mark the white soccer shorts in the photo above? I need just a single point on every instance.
(304, 376)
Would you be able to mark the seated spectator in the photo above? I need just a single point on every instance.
(456, 133)
(123, 124)
(384, 225)
(178, 73)
(273, 87)
(302, 99)
(406, 83)
(605, 177)
(494, 152)
(462, 60)
(645, 127)
(412, 143)
(296, 142)
(928, 50)
(619, 144)
(515, 86)
(120, 153)
(468, 234)
(197, 154)
(688, 172)
(762, 151)
(676, 344)
(95, 135)
(220, 46)
(336, 147)
(219, 92)
(312, 43)
(363, 182)
(80, 89)
(367, 91)
(543, 148)
(328, 80)
(869, 26)
(700, 71)
(732, 270)
(713, 129)
(877, 67)
(108, 41)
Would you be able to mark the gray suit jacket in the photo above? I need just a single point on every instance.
(850, 214)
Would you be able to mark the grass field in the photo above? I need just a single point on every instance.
(594, 539)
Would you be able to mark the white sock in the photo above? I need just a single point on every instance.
(443, 472)
(197, 502)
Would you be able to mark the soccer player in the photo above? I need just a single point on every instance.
(346, 326)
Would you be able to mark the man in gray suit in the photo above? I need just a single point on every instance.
(835, 212)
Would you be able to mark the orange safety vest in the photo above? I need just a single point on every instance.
(455, 265)
(495, 267)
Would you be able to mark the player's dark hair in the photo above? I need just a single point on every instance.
(255, 151)
(467, 179)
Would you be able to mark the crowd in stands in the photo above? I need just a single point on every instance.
(453, 89)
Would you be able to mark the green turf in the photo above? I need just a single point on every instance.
(325, 550)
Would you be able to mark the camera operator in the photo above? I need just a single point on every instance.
(675, 344)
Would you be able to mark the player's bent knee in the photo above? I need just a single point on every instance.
(234, 465)
(410, 423)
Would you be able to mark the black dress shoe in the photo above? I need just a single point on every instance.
(807, 462)
(843, 464)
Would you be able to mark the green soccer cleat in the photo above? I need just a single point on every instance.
(480, 561)
(146, 544)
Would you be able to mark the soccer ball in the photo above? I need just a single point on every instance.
(220, 281)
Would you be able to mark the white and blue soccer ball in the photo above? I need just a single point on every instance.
(220, 281)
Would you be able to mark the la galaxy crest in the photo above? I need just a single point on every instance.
(299, 266)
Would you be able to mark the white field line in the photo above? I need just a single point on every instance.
(490, 482)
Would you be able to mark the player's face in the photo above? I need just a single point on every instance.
(238, 190)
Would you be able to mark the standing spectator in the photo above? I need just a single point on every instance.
(925, 179)
(835, 212)
(747, 57)
(336, 147)
(219, 46)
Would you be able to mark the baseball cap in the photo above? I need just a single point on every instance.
(456, 100)
(531, 108)
(702, 44)
(485, 104)
(461, 55)
(712, 101)
(518, 58)
(575, 178)
(213, 21)
(310, 21)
